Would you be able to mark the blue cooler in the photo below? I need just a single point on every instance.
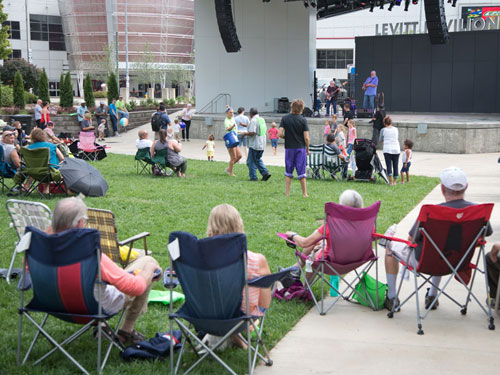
(231, 139)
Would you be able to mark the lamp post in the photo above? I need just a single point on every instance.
(127, 77)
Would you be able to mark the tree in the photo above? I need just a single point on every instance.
(61, 89)
(104, 64)
(88, 91)
(147, 70)
(28, 71)
(5, 49)
(19, 91)
(66, 92)
(112, 87)
(43, 87)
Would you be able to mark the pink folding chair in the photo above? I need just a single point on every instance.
(351, 239)
(449, 237)
(86, 146)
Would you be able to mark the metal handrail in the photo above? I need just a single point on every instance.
(214, 103)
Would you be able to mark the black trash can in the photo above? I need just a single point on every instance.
(25, 121)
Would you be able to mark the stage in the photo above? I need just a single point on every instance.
(431, 132)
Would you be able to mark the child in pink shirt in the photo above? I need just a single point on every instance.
(273, 136)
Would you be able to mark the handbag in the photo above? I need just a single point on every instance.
(368, 285)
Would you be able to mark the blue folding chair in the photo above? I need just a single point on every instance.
(212, 273)
(64, 269)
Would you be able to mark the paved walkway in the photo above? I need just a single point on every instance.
(352, 339)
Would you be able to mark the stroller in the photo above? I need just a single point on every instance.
(367, 162)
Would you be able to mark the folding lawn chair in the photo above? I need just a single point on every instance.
(6, 171)
(212, 274)
(23, 214)
(104, 222)
(35, 164)
(449, 236)
(160, 162)
(351, 237)
(64, 269)
(315, 162)
(332, 164)
(143, 161)
(87, 149)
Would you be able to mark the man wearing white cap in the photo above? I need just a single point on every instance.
(453, 186)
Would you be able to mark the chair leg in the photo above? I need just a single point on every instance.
(419, 320)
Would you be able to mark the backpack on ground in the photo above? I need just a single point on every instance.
(156, 122)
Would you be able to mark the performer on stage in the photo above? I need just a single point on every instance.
(331, 97)
(370, 89)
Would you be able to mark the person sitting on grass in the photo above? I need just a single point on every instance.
(311, 245)
(225, 219)
(122, 288)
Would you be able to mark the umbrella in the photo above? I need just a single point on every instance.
(80, 177)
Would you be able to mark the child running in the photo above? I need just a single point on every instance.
(407, 145)
(273, 137)
(210, 146)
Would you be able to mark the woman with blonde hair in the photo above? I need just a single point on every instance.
(233, 149)
(225, 219)
(295, 132)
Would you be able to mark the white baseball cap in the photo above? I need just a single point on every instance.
(454, 178)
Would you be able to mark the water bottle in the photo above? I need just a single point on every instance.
(389, 233)
(334, 281)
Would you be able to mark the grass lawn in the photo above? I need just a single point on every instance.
(162, 205)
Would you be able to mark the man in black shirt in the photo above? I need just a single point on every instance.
(348, 113)
(331, 97)
(294, 129)
(453, 186)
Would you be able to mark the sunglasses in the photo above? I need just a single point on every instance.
(8, 134)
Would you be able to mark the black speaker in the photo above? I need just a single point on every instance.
(227, 29)
(307, 112)
(365, 113)
(436, 21)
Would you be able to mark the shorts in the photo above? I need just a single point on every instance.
(210, 154)
(274, 143)
(400, 251)
(407, 169)
(243, 140)
(295, 158)
(235, 144)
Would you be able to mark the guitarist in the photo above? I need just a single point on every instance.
(370, 89)
(331, 97)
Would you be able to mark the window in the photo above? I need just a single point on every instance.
(54, 88)
(14, 29)
(333, 58)
(16, 54)
(48, 28)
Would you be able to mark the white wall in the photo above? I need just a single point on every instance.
(277, 57)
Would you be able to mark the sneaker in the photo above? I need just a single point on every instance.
(429, 299)
(389, 303)
(266, 177)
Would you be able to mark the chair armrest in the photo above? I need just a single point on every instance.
(378, 235)
(133, 238)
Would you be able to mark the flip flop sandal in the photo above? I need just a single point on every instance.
(105, 329)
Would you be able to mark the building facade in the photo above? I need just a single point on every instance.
(335, 47)
(83, 36)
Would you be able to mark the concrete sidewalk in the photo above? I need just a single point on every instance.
(352, 339)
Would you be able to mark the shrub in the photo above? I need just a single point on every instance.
(100, 94)
(66, 92)
(143, 103)
(28, 71)
(43, 87)
(30, 98)
(88, 91)
(155, 103)
(7, 96)
(192, 100)
(171, 102)
(112, 87)
(10, 111)
(19, 91)
(180, 99)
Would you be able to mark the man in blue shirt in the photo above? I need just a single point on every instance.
(81, 112)
(370, 89)
(113, 116)
(165, 120)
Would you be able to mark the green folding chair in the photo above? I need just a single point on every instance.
(160, 162)
(143, 161)
(315, 162)
(36, 168)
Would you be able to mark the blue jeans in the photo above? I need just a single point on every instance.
(369, 102)
(331, 102)
(123, 114)
(254, 162)
(113, 124)
(391, 164)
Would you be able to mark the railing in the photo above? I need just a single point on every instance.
(213, 104)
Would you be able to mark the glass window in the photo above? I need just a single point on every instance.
(54, 88)
(16, 54)
(14, 29)
(334, 58)
(48, 28)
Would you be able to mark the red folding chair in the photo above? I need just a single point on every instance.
(351, 237)
(87, 149)
(449, 237)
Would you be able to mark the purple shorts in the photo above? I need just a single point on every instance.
(295, 158)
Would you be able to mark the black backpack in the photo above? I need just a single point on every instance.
(156, 122)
